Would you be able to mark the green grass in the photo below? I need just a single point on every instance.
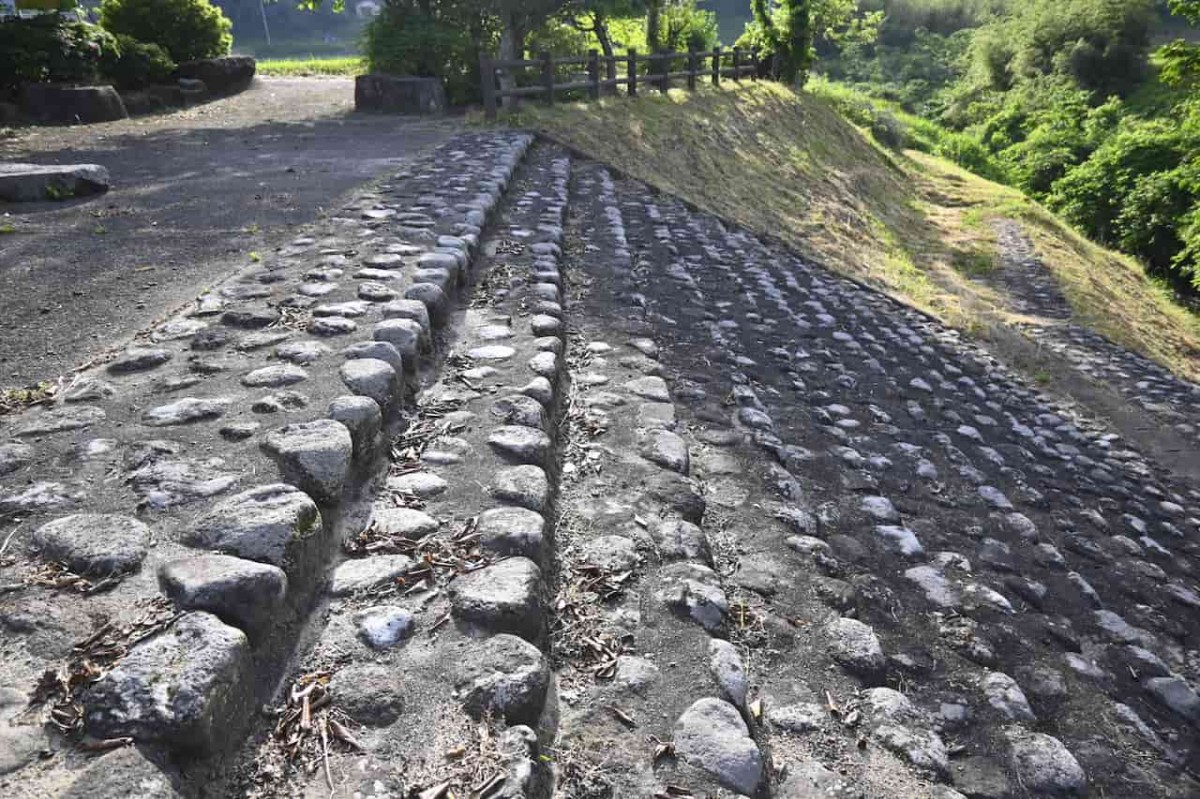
(340, 66)
(915, 225)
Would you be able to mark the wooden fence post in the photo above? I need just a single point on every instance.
(691, 69)
(632, 85)
(737, 65)
(610, 73)
(716, 70)
(593, 67)
(664, 80)
(547, 76)
(754, 63)
(487, 76)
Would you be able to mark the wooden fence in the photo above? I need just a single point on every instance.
(581, 75)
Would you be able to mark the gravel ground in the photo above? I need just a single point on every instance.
(194, 194)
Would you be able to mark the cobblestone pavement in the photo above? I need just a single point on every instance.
(194, 194)
(604, 498)
(1173, 402)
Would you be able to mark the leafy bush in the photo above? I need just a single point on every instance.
(1100, 44)
(1092, 194)
(686, 27)
(50, 48)
(970, 154)
(888, 131)
(137, 64)
(401, 42)
(186, 29)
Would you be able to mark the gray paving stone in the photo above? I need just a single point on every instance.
(186, 411)
(1044, 766)
(403, 334)
(264, 524)
(503, 676)
(315, 456)
(712, 736)
(174, 688)
(512, 531)
(241, 592)
(363, 417)
(94, 544)
(523, 444)
(504, 597)
(369, 693)
(360, 574)
(666, 449)
(371, 378)
(855, 646)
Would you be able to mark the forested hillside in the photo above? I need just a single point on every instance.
(1089, 106)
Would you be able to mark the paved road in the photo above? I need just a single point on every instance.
(194, 193)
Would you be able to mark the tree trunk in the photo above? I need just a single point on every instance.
(600, 26)
(654, 25)
(512, 47)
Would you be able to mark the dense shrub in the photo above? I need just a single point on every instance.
(684, 26)
(1101, 44)
(186, 29)
(969, 153)
(1092, 194)
(136, 65)
(50, 48)
(402, 42)
(888, 130)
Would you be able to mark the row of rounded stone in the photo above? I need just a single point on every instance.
(268, 536)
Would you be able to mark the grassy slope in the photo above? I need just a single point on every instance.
(912, 225)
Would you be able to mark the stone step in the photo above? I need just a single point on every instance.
(233, 427)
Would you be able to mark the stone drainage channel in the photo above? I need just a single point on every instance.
(649, 508)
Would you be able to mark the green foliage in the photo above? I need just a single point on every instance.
(185, 29)
(969, 153)
(1101, 44)
(913, 75)
(888, 130)
(304, 67)
(784, 39)
(905, 19)
(684, 26)
(403, 41)
(135, 64)
(1093, 196)
(889, 124)
(50, 48)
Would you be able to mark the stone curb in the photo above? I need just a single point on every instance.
(277, 538)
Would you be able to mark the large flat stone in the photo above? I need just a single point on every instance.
(313, 455)
(179, 687)
(711, 735)
(504, 597)
(399, 95)
(94, 544)
(241, 592)
(264, 524)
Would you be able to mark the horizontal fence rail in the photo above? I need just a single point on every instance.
(550, 78)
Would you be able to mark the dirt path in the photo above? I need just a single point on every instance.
(195, 195)
(1145, 402)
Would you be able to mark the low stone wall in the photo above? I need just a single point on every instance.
(222, 76)
(72, 105)
(399, 94)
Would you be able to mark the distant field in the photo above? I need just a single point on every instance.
(307, 67)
